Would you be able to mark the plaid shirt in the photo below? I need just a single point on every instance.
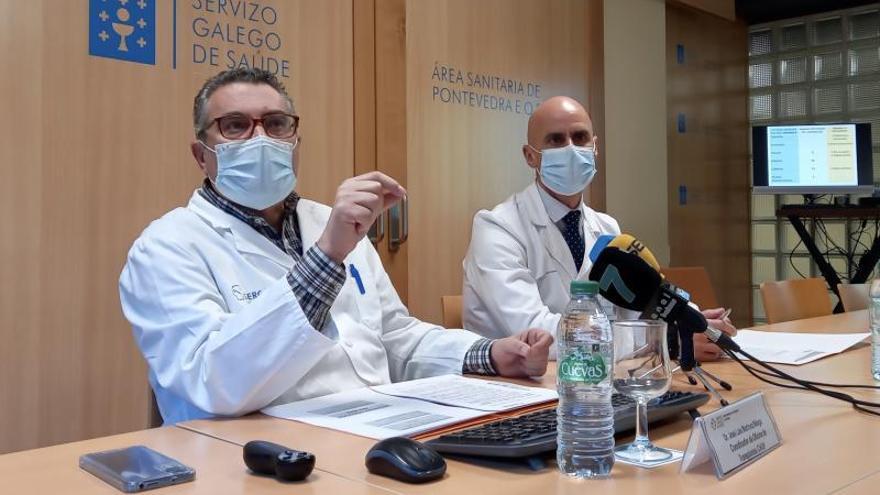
(316, 279)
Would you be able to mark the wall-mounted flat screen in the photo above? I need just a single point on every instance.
(812, 159)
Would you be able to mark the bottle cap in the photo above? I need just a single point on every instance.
(584, 287)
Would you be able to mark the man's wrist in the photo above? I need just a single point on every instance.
(326, 248)
(316, 281)
(478, 358)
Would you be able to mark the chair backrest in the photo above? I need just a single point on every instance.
(451, 311)
(695, 280)
(854, 296)
(796, 299)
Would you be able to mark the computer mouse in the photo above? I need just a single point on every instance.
(406, 460)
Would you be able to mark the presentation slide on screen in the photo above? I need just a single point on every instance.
(814, 155)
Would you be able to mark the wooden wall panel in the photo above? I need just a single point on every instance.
(722, 8)
(595, 56)
(463, 157)
(92, 151)
(323, 89)
(364, 54)
(21, 301)
(392, 121)
(635, 120)
(710, 158)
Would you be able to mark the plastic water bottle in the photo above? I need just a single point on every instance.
(585, 442)
(875, 328)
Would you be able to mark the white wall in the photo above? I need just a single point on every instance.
(635, 120)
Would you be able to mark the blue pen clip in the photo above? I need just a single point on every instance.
(357, 278)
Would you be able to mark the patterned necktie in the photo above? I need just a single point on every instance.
(571, 232)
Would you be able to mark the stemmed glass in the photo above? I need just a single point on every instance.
(641, 371)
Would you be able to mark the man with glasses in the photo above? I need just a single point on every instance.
(524, 253)
(252, 296)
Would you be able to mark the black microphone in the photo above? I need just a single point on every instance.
(625, 279)
(683, 321)
(668, 304)
(630, 282)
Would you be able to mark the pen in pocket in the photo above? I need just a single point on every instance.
(355, 274)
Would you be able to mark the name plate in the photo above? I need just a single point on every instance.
(732, 437)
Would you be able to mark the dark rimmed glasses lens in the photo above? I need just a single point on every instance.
(277, 125)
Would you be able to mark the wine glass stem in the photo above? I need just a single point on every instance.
(641, 439)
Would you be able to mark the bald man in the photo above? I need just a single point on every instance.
(526, 251)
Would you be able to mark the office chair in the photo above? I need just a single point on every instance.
(854, 296)
(451, 311)
(695, 280)
(796, 299)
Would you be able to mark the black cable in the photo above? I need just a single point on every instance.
(831, 385)
(857, 244)
(856, 403)
(754, 372)
(836, 249)
(781, 374)
(840, 250)
(813, 199)
(791, 258)
(757, 373)
(856, 237)
(851, 254)
(818, 384)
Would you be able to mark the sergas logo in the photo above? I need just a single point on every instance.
(123, 30)
(243, 295)
(226, 34)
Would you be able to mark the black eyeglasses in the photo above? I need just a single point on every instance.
(277, 125)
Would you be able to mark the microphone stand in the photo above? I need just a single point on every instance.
(681, 347)
(701, 376)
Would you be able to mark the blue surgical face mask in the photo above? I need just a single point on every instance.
(567, 170)
(256, 173)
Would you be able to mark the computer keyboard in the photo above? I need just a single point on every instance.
(535, 433)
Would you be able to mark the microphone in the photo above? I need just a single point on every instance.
(628, 281)
(668, 304)
(630, 244)
(624, 279)
(627, 278)
(626, 243)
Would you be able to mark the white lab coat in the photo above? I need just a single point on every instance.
(518, 268)
(215, 318)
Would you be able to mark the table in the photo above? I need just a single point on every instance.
(795, 214)
(865, 486)
(828, 447)
(219, 468)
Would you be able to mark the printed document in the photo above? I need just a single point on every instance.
(410, 408)
(795, 348)
(472, 393)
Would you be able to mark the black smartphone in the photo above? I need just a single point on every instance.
(136, 468)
